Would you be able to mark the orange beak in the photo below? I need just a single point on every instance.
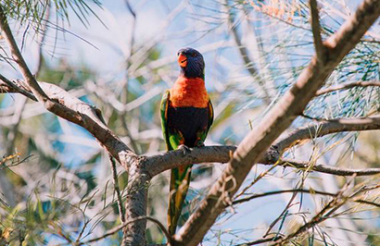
(182, 60)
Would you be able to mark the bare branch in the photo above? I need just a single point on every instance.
(162, 162)
(16, 54)
(320, 49)
(222, 154)
(275, 122)
(7, 86)
(328, 169)
(74, 110)
(311, 191)
(328, 127)
(347, 86)
(276, 192)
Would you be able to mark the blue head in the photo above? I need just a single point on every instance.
(191, 63)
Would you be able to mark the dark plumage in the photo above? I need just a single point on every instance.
(189, 121)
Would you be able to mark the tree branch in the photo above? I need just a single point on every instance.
(16, 54)
(274, 123)
(222, 154)
(347, 86)
(312, 192)
(74, 110)
(328, 169)
(328, 127)
(7, 86)
(320, 49)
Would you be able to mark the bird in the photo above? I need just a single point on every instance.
(186, 117)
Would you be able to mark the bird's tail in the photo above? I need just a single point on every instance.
(179, 185)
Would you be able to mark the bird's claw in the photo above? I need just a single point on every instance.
(185, 150)
(200, 143)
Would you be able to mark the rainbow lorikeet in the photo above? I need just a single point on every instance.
(186, 117)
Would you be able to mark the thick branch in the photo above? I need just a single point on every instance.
(222, 154)
(347, 86)
(274, 123)
(74, 110)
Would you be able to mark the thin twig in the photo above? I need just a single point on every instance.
(347, 86)
(310, 191)
(338, 201)
(257, 179)
(117, 189)
(11, 87)
(249, 64)
(259, 241)
(328, 169)
(274, 222)
(276, 192)
(41, 40)
(320, 49)
(118, 228)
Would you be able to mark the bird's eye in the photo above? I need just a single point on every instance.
(194, 54)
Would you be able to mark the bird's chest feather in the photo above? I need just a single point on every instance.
(189, 92)
(188, 122)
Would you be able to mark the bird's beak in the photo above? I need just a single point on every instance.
(182, 60)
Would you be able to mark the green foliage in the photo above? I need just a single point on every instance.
(33, 11)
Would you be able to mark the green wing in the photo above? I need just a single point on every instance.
(202, 133)
(172, 140)
(164, 117)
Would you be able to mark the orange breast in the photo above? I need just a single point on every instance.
(189, 92)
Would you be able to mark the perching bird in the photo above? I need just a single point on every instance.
(186, 117)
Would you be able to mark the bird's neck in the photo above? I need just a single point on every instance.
(189, 92)
(191, 73)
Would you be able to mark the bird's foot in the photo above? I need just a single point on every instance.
(185, 150)
(200, 143)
